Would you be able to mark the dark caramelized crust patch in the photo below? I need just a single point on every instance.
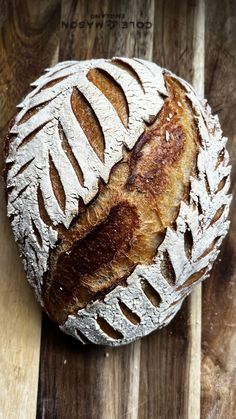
(147, 174)
(113, 236)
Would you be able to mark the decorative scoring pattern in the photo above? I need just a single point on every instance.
(151, 299)
(37, 147)
(203, 218)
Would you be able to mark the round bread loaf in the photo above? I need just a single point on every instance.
(117, 179)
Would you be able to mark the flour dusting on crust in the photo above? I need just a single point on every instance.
(36, 141)
(29, 174)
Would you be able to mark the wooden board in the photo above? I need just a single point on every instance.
(218, 396)
(160, 376)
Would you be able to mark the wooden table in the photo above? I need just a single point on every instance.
(187, 370)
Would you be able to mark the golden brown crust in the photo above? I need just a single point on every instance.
(125, 223)
(73, 274)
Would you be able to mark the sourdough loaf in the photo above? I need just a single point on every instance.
(117, 184)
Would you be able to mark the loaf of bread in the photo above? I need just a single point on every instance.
(117, 184)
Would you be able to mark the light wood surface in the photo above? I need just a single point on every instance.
(188, 369)
(22, 57)
(195, 299)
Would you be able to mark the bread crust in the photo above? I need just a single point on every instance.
(129, 214)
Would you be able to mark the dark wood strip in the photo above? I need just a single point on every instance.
(84, 382)
(174, 39)
(219, 315)
(29, 40)
(163, 371)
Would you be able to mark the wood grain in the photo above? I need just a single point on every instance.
(25, 33)
(173, 39)
(123, 30)
(159, 376)
(218, 397)
(28, 42)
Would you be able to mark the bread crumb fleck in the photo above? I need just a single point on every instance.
(167, 136)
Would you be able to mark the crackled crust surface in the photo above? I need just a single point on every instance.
(117, 179)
